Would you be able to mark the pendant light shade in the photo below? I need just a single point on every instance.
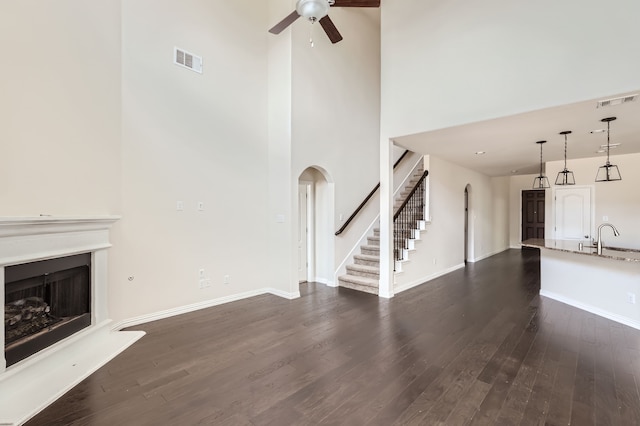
(541, 182)
(609, 172)
(565, 177)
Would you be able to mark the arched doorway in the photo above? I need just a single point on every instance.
(314, 230)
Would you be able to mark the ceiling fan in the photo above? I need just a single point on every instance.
(318, 10)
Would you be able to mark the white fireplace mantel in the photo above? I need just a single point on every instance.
(30, 385)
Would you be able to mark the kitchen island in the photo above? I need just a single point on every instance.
(604, 284)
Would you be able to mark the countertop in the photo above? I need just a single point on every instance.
(573, 246)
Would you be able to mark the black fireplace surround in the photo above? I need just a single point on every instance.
(45, 302)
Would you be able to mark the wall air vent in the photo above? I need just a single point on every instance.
(617, 101)
(188, 60)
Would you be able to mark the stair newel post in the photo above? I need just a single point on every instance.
(385, 288)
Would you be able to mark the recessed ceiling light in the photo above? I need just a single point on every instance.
(600, 151)
(514, 171)
(480, 152)
(598, 131)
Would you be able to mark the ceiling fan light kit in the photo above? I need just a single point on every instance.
(318, 11)
(609, 172)
(313, 10)
(565, 177)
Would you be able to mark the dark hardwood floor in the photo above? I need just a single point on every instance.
(477, 346)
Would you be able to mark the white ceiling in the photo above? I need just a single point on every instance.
(510, 142)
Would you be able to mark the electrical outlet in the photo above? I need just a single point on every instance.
(179, 205)
(201, 206)
(201, 273)
(226, 279)
(631, 298)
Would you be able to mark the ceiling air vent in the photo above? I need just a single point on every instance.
(186, 59)
(617, 101)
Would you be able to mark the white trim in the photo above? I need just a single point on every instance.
(167, 313)
(592, 309)
(29, 386)
(485, 256)
(423, 280)
(386, 295)
(328, 283)
(281, 293)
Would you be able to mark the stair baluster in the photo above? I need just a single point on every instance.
(407, 216)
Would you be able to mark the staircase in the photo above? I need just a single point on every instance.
(364, 274)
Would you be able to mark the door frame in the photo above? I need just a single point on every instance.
(310, 219)
(469, 232)
(522, 213)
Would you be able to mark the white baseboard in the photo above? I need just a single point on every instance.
(485, 256)
(283, 294)
(404, 287)
(154, 316)
(326, 282)
(592, 309)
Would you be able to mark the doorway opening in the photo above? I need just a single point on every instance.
(314, 236)
(468, 231)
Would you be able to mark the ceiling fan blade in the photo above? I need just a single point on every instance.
(280, 26)
(357, 3)
(330, 29)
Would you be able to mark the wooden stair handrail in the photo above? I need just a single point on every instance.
(367, 198)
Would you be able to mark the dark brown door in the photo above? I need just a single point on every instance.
(532, 214)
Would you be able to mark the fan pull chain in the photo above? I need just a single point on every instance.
(311, 33)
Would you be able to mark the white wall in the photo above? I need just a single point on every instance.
(60, 108)
(336, 113)
(619, 200)
(194, 138)
(442, 246)
(455, 62)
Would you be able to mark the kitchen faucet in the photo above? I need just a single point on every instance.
(599, 243)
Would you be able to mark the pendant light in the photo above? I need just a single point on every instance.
(565, 177)
(541, 182)
(608, 172)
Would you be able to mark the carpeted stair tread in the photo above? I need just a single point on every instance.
(364, 284)
(364, 271)
(366, 259)
(374, 240)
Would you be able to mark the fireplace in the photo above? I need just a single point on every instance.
(53, 269)
(45, 302)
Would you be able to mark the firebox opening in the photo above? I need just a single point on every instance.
(45, 302)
